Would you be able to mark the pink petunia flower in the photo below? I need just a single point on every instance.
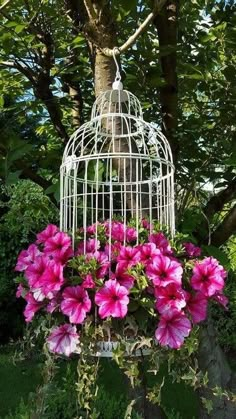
(208, 277)
(122, 277)
(172, 328)
(21, 291)
(52, 278)
(146, 224)
(197, 307)
(129, 256)
(47, 233)
(163, 270)
(130, 234)
(117, 230)
(113, 250)
(38, 294)
(75, 304)
(91, 246)
(88, 282)
(148, 252)
(27, 257)
(112, 300)
(31, 307)
(171, 297)
(63, 339)
(221, 299)
(35, 271)
(92, 229)
(103, 264)
(54, 304)
(59, 247)
(192, 250)
(161, 243)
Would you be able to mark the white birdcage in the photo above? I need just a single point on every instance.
(116, 165)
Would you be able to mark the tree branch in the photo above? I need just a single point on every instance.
(90, 10)
(217, 202)
(132, 39)
(5, 3)
(225, 229)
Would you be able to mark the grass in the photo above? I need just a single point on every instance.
(16, 382)
(19, 380)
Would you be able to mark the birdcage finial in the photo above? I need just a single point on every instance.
(117, 84)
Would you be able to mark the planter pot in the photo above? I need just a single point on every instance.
(105, 349)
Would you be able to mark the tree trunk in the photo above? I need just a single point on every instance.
(166, 24)
(212, 359)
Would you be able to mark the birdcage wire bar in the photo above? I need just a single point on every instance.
(116, 165)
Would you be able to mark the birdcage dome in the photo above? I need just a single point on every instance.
(117, 100)
(116, 165)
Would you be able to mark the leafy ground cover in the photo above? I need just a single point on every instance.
(18, 380)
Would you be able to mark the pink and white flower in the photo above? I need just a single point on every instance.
(88, 282)
(117, 231)
(59, 247)
(122, 277)
(54, 304)
(112, 300)
(31, 307)
(21, 291)
(63, 339)
(192, 250)
(35, 271)
(172, 328)
(113, 250)
(148, 252)
(130, 234)
(170, 298)
(197, 307)
(52, 279)
(129, 256)
(208, 277)
(221, 299)
(91, 246)
(27, 257)
(146, 224)
(75, 304)
(103, 264)
(47, 233)
(163, 270)
(161, 243)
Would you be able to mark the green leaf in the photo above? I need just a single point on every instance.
(13, 177)
(78, 40)
(20, 28)
(1, 101)
(55, 190)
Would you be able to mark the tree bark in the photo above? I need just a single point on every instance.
(166, 24)
(212, 359)
(225, 229)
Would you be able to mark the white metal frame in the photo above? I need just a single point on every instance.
(116, 164)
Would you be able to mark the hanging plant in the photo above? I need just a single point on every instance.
(119, 289)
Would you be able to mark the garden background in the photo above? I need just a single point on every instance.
(182, 68)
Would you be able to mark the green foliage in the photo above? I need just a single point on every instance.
(17, 381)
(24, 210)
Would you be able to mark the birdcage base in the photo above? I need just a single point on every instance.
(104, 349)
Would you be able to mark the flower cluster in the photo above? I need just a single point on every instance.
(117, 267)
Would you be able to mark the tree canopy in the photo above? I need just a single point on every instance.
(181, 67)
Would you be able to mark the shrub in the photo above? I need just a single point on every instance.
(24, 209)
